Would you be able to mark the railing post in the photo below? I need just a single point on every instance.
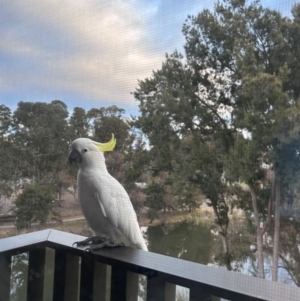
(72, 278)
(170, 294)
(36, 274)
(100, 282)
(87, 278)
(197, 294)
(5, 268)
(118, 283)
(49, 274)
(59, 274)
(156, 287)
(132, 286)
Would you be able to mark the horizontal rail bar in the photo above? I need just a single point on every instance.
(158, 269)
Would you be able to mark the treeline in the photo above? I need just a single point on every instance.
(36, 138)
(35, 141)
(220, 124)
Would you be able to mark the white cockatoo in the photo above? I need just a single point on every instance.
(103, 200)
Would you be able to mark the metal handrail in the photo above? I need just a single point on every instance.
(80, 275)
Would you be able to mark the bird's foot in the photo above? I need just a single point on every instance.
(93, 240)
(105, 244)
(96, 243)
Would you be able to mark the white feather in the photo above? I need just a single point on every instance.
(101, 205)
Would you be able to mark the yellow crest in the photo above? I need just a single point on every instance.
(106, 147)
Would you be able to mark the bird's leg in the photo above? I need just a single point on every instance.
(96, 243)
(93, 240)
(105, 244)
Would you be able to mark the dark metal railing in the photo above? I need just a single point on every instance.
(57, 271)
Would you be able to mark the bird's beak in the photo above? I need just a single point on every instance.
(74, 156)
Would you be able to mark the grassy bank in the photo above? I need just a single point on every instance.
(79, 226)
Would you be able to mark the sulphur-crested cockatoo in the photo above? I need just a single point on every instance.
(103, 200)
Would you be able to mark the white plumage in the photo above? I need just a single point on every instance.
(103, 200)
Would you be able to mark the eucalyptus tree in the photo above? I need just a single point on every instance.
(5, 125)
(188, 137)
(79, 123)
(136, 169)
(35, 204)
(11, 160)
(103, 123)
(239, 76)
(252, 50)
(5, 121)
(200, 168)
(6, 154)
(40, 134)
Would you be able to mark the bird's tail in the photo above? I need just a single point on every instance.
(142, 245)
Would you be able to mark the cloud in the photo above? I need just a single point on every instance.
(88, 51)
(95, 49)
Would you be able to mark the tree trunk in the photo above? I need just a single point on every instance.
(225, 243)
(260, 254)
(259, 233)
(276, 231)
(224, 237)
(59, 193)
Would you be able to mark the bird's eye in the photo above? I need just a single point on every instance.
(85, 150)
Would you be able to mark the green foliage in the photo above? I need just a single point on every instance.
(137, 158)
(198, 164)
(35, 141)
(40, 135)
(5, 190)
(5, 120)
(34, 204)
(187, 195)
(182, 126)
(9, 154)
(229, 113)
(290, 255)
(155, 196)
(79, 123)
(243, 163)
(106, 121)
(250, 50)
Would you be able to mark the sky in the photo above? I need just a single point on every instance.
(90, 53)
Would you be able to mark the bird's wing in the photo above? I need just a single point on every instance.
(117, 207)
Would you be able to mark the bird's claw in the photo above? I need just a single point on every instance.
(89, 241)
(106, 244)
(79, 243)
(96, 243)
